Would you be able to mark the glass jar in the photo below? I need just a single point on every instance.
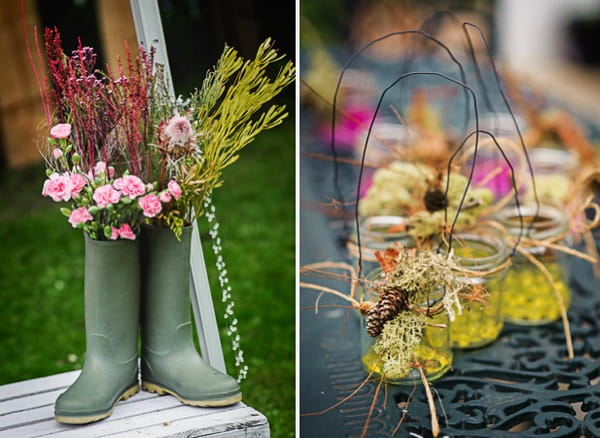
(484, 251)
(553, 169)
(529, 298)
(433, 351)
(376, 234)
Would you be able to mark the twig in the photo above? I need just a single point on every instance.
(368, 421)
(328, 290)
(325, 157)
(590, 245)
(345, 399)
(561, 303)
(405, 410)
(314, 267)
(435, 427)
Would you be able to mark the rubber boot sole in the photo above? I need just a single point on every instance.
(214, 403)
(92, 418)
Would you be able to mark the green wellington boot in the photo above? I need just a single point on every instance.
(112, 297)
(170, 362)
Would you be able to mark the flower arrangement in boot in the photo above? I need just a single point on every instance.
(194, 140)
(94, 163)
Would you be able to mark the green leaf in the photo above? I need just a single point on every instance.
(107, 231)
(93, 209)
(65, 211)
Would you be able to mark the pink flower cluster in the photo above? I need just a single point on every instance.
(151, 204)
(63, 187)
(102, 193)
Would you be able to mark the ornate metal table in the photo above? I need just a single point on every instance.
(521, 386)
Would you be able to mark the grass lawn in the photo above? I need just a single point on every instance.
(41, 276)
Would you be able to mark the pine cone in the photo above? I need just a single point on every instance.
(391, 302)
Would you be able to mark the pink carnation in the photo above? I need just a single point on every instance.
(179, 130)
(126, 232)
(150, 205)
(78, 182)
(130, 186)
(61, 130)
(58, 187)
(165, 197)
(79, 216)
(114, 233)
(175, 189)
(57, 153)
(105, 195)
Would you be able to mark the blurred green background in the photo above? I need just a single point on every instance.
(41, 256)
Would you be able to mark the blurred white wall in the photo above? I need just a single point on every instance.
(532, 32)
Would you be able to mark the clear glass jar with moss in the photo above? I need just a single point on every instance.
(530, 297)
(376, 234)
(483, 253)
(419, 338)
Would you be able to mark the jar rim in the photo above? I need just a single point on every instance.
(490, 237)
(551, 221)
(558, 158)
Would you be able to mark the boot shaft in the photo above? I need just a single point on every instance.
(112, 296)
(165, 285)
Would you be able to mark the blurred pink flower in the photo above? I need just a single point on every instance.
(175, 189)
(61, 130)
(165, 197)
(78, 182)
(150, 205)
(130, 185)
(99, 167)
(79, 216)
(58, 187)
(354, 120)
(57, 153)
(105, 195)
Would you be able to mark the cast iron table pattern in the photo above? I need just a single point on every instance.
(520, 386)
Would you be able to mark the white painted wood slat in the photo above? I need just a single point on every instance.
(28, 411)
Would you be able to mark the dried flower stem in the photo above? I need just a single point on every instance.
(559, 299)
(435, 427)
(314, 267)
(342, 401)
(405, 410)
(368, 421)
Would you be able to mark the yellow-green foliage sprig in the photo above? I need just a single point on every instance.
(227, 114)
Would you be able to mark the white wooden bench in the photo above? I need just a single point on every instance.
(27, 410)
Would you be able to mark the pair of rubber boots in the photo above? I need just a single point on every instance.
(170, 363)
